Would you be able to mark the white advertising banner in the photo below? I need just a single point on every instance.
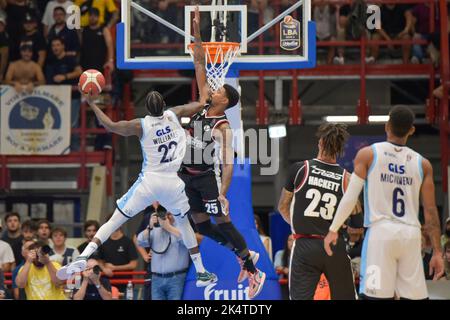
(36, 123)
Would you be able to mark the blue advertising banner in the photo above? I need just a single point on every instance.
(36, 123)
(353, 145)
(223, 262)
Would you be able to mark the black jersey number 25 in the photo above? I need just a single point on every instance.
(166, 148)
(314, 210)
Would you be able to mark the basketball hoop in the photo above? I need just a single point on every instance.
(219, 56)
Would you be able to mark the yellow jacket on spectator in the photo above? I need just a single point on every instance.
(102, 5)
(40, 286)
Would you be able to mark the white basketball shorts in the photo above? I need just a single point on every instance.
(165, 187)
(391, 262)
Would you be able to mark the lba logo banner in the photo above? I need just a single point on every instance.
(36, 123)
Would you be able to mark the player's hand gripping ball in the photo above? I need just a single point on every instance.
(91, 82)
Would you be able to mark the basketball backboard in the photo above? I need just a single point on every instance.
(271, 36)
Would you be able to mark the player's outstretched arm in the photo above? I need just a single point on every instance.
(432, 224)
(187, 110)
(199, 60)
(363, 161)
(224, 136)
(123, 128)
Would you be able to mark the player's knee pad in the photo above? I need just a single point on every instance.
(187, 233)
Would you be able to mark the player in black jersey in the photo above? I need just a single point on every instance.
(208, 167)
(308, 203)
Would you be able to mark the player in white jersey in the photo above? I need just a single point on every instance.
(394, 178)
(163, 143)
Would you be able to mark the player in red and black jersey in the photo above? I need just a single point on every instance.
(208, 167)
(308, 203)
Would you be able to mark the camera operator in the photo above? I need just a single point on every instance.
(170, 258)
(38, 274)
(93, 286)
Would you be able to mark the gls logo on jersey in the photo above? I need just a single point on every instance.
(398, 169)
(162, 132)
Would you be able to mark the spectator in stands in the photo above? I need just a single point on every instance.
(13, 235)
(446, 236)
(255, 8)
(149, 30)
(97, 50)
(427, 253)
(146, 253)
(16, 10)
(325, 17)
(435, 42)
(447, 259)
(24, 74)
(90, 229)
(19, 293)
(282, 257)
(34, 38)
(104, 140)
(343, 31)
(49, 19)
(60, 29)
(421, 14)
(265, 239)
(60, 252)
(65, 70)
(44, 230)
(38, 275)
(104, 7)
(4, 47)
(118, 253)
(397, 23)
(354, 241)
(41, 5)
(93, 286)
(281, 264)
(28, 230)
(170, 258)
(7, 262)
(155, 207)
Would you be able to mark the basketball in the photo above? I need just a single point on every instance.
(91, 81)
(288, 19)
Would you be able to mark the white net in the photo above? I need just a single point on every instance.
(219, 56)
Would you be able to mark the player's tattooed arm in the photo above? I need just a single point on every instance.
(188, 110)
(199, 60)
(122, 128)
(432, 224)
(284, 205)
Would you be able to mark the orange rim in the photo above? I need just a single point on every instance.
(213, 49)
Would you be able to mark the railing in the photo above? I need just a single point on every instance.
(113, 281)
